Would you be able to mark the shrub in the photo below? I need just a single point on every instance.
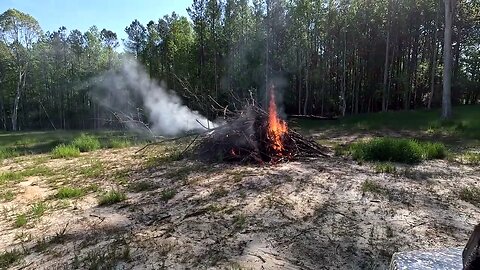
(396, 150)
(112, 197)
(86, 143)
(434, 150)
(69, 192)
(65, 151)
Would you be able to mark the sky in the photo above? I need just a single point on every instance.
(113, 15)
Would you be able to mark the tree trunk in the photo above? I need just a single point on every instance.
(344, 76)
(16, 101)
(447, 60)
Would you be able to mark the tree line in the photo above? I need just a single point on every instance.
(329, 57)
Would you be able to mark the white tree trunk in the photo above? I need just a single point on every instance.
(447, 60)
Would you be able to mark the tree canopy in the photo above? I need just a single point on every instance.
(326, 57)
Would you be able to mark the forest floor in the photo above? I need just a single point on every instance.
(323, 213)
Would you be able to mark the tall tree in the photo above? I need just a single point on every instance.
(447, 59)
(19, 31)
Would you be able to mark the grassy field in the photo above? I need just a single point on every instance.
(465, 122)
(88, 200)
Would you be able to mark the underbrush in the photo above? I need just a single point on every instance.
(65, 151)
(397, 150)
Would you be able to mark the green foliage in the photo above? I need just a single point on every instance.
(65, 151)
(385, 167)
(20, 220)
(69, 192)
(471, 195)
(112, 197)
(168, 194)
(7, 258)
(396, 150)
(86, 143)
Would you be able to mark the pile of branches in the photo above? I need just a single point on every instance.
(243, 138)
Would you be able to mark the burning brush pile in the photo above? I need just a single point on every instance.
(255, 136)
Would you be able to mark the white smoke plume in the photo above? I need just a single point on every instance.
(123, 90)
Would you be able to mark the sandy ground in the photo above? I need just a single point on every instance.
(309, 214)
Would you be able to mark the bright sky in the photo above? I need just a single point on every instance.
(113, 15)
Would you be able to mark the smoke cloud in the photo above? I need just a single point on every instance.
(126, 90)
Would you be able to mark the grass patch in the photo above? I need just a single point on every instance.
(20, 221)
(142, 186)
(20, 175)
(118, 143)
(168, 194)
(153, 162)
(470, 158)
(7, 196)
(372, 187)
(6, 152)
(396, 150)
(95, 169)
(463, 124)
(86, 143)
(69, 192)
(385, 167)
(65, 151)
(112, 197)
(7, 258)
(239, 221)
(471, 195)
(38, 209)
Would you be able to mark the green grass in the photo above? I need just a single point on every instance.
(7, 196)
(112, 197)
(86, 143)
(371, 187)
(65, 151)
(168, 194)
(385, 167)
(20, 220)
(464, 123)
(69, 193)
(38, 209)
(20, 175)
(142, 186)
(8, 258)
(471, 158)
(7, 153)
(471, 195)
(396, 150)
(118, 143)
(95, 169)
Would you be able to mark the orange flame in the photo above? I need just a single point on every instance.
(276, 126)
